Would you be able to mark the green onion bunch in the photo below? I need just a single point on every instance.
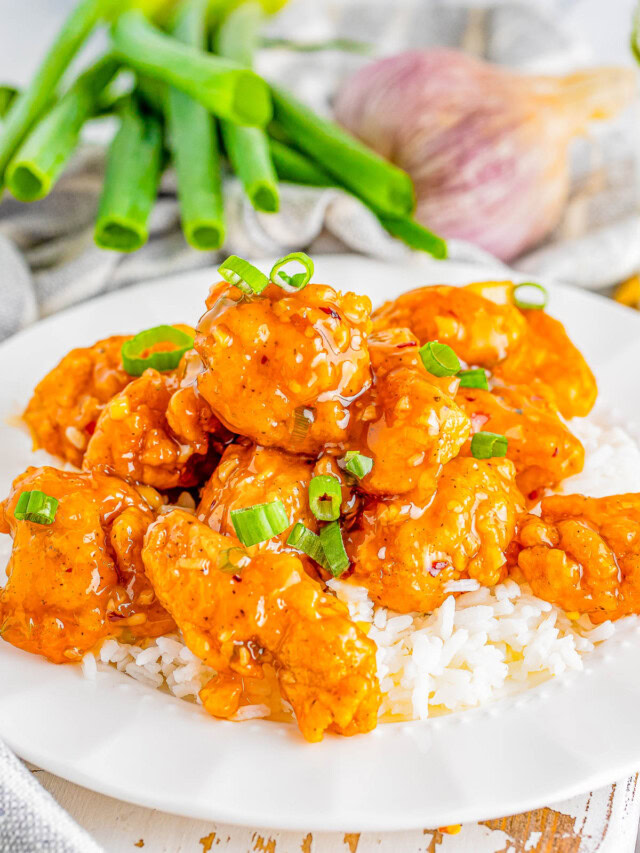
(195, 100)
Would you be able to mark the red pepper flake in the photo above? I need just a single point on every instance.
(437, 567)
(113, 617)
(330, 312)
(555, 452)
(237, 578)
(407, 344)
(91, 427)
(264, 359)
(533, 496)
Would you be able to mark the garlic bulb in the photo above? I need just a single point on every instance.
(487, 149)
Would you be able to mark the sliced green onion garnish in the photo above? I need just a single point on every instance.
(260, 522)
(476, 378)
(530, 295)
(439, 359)
(303, 417)
(135, 363)
(333, 547)
(325, 497)
(485, 445)
(296, 280)
(36, 506)
(308, 542)
(357, 464)
(244, 275)
(231, 561)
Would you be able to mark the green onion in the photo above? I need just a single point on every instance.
(42, 156)
(530, 295)
(293, 280)
(34, 99)
(259, 522)
(308, 542)
(248, 153)
(416, 236)
(223, 87)
(333, 547)
(439, 359)
(8, 94)
(303, 417)
(135, 363)
(357, 464)
(375, 180)
(635, 33)
(248, 147)
(476, 378)
(232, 560)
(297, 168)
(325, 497)
(485, 445)
(131, 181)
(194, 146)
(244, 275)
(36, 506)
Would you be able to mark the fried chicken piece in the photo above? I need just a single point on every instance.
(546, 354)
(405, 550)
(541, 446)
(67, 403)
(406, 422)
(248, 475)
(80, 579)
(583, 554)
(267, 611)
(480, 331)
(157, 433)
(282, 368)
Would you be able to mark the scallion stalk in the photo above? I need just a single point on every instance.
(377, 182)
(34, 99)
(194, 145)
(292, 165)
(42, 156)
(223, 87)
(131, 181)
(248, 147)
(333, 547)
(8, 94)
(415, 235)
(297, 168)
(325, 497)
(257, 523)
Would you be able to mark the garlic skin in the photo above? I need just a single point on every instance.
(487, 148)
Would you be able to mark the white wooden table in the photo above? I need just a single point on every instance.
(605, 821)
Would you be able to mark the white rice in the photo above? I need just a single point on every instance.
(480, 646)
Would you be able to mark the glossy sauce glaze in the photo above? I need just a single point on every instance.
(155, 432)
(295, 360)
(67, 403)
(584, 554)
(458, 524)
(271, 612)
(76, 581)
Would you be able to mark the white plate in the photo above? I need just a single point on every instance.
(118, 737)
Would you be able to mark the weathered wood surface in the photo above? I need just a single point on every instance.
(604, 821)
